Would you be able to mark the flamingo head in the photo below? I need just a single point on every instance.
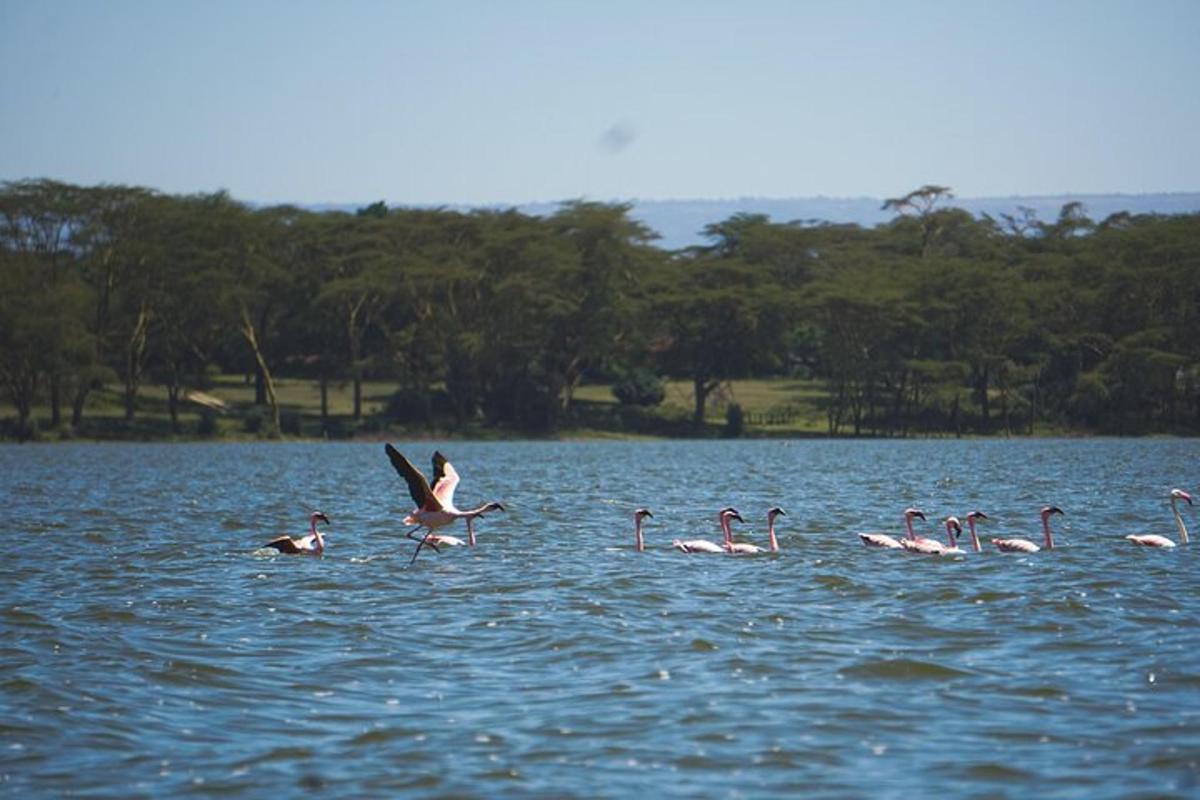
(317, 516)
(641, 513)
(775, 512)
(1048, 510)
(1180, 494)
(974, 515)
(953, 526)
(909, 513)
(729, 513)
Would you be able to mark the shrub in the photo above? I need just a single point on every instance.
(639, 387)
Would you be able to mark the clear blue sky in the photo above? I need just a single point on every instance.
(509, 102)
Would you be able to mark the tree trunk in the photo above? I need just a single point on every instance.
(702, 388)
(263, 370)
(984, 401)
(324, 404)
(135, 353)
(77, 403)
(55, 400)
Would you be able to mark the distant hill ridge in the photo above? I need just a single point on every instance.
(680, 222)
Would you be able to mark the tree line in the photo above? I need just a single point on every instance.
(935, 322)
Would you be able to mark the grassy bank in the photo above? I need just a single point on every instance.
(769, 408)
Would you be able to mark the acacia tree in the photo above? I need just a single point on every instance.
(611, 252)
(717, 322)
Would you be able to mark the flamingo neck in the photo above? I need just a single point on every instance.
(974, 536)
(1183, 534)
(908, 524)
(771, 535)
(1046, 528)
(471, 531)
(637, 534)
(950, 536)
(726, 533)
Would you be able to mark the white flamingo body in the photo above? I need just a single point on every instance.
(697, 546)
(1026, 546)
(735, 548)
(885, 541)
(1153, 539)
(705, 546)
(879, 540)
(311, 545)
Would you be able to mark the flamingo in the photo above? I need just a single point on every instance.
(705, 546)
(971, 517)
(311, 545)
(738, 548)
(638, 516)
(1154, 540)
(1026, 546)
(771, 515)
(883, 540)
(932, 547)
(435, 506)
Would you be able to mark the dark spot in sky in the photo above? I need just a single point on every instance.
(617, 138)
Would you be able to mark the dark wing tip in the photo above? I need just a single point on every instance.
(418, 487)
(439, 467)
(283, 544)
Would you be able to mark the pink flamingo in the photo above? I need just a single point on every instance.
(932, 547)
(1154, 540)
(638, 516)
(435, 506)
(883, 540)
(311, 545)
(741, 548)
(705, 546)
(1026, 546)
(771, 515)
(971, 517)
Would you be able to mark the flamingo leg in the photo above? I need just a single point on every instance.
(424, 541)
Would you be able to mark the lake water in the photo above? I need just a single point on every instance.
(146, 648)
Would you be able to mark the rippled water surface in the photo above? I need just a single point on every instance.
(146, 648)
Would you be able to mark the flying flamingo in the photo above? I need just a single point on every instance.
(311, 545)
(435, 506)
(971, 517)
(1026, 546)
(883, 540)
(1154, 540)
(638, 516)
(705, 546)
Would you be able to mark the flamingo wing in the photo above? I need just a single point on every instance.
(418, 487)
(283, 544)
(445, 479)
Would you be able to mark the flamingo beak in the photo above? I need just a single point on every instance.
(737, 516)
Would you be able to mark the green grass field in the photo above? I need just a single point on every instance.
(779, 407)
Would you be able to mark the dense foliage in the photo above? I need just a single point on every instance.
(937, 321)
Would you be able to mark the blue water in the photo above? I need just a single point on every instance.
(148, 648)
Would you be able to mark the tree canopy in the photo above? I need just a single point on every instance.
(934, 322)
